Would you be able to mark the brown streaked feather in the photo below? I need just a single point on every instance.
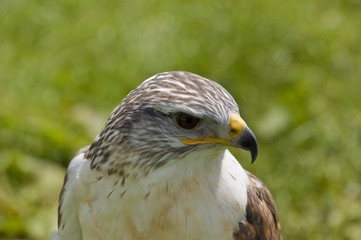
(261, 217)
(82, 150)
(61, 199)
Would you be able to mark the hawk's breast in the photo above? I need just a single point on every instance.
(205, 202)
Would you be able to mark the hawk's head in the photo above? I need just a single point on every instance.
(165, 118)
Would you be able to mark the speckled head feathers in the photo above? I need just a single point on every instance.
(140, 132)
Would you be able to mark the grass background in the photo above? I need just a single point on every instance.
(292, 66)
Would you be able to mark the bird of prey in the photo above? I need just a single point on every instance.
(160, 169)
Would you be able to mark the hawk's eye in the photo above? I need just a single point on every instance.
(186, 121)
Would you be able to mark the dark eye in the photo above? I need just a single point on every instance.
(186, 121)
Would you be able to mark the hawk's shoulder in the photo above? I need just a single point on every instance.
(261, 216)
(68, 220)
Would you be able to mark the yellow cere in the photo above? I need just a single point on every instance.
(236, 125)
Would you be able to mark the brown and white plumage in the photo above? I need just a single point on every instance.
(160, 169)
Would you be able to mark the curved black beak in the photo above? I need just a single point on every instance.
(247, 141)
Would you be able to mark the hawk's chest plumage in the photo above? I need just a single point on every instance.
(205, 202)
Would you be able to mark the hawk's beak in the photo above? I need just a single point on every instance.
(242, 136)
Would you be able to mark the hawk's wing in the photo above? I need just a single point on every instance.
(68, 219)
(261, 217)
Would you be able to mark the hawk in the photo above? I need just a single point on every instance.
(160, 169)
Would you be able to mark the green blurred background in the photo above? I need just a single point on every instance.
(294, 67)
